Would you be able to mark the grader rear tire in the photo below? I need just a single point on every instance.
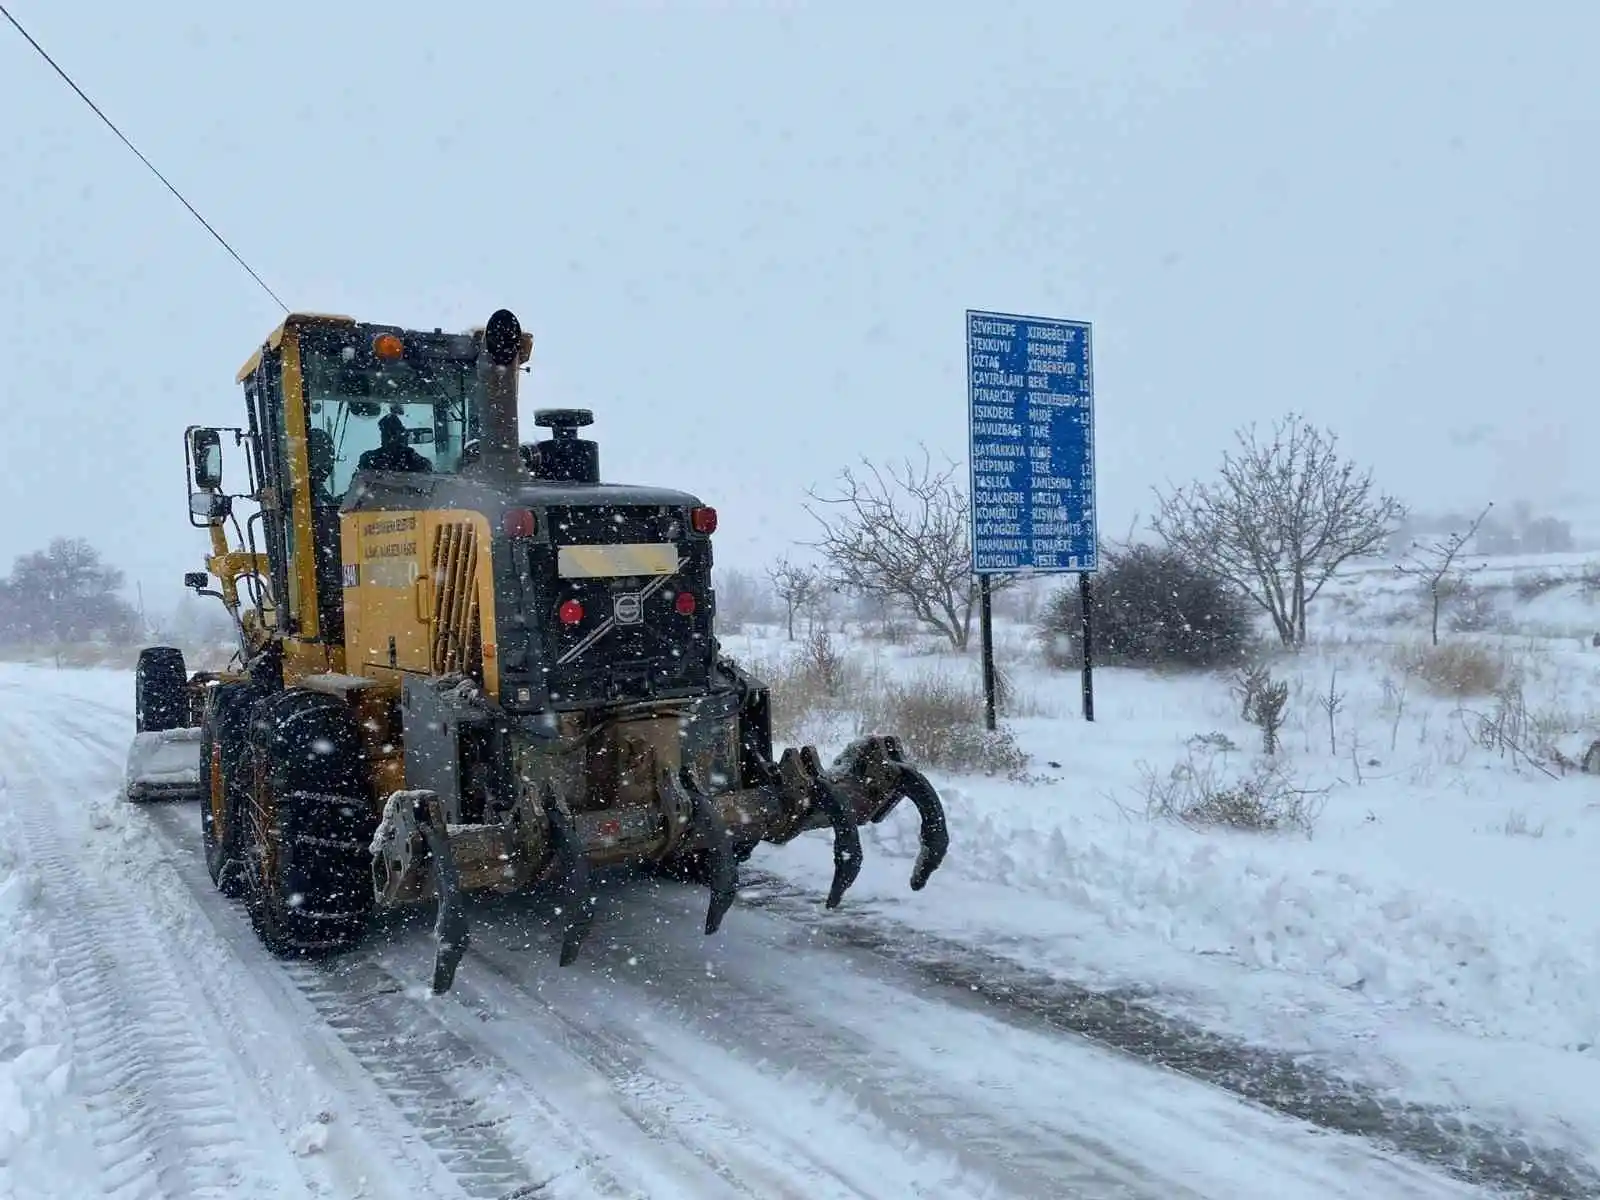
(160, 690)
(310, 823)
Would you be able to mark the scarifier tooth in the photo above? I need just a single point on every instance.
(713, 831)
(577, 904)
(934, 831)
(847, 854)
(450, 924)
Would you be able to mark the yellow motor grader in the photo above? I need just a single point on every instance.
(465, 663)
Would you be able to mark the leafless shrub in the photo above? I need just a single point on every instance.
(806, 688)
(1394, 706)
(890, 632)
(1215, 741)
(1590, 764)
(1533, 584)
(940, 722)
(1151, 607)
(1471, 609)
(1435, 565)
(1268, 710)
(1264, 800)
(1517, 825)
(1519, 734)
(1247, 684)
(1005, 691)
(1332, 703)
(1455, 668)
(823, 663)
(1547, 729)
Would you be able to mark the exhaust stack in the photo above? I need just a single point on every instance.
(503, 349)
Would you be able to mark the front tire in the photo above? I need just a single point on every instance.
(160, 690)
(306, 833)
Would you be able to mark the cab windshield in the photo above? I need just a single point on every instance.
(376, 415)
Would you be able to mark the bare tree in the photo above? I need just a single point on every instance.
(903, 535)
(797, 585)
(742, 598)
(1283, 517)
(65, 593)
(1436, 564)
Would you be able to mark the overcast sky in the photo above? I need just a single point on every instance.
(746, 234)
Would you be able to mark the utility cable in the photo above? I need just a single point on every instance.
(96, 108)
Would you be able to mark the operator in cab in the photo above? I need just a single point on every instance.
(395, 452)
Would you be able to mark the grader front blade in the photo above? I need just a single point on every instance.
(163, 765)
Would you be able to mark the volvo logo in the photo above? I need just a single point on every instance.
(628, 608)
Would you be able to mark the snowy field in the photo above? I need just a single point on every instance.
(1434, 934)
(1416, 959)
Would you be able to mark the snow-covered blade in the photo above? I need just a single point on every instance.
(163, 765)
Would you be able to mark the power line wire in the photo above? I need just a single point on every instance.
(222, 241)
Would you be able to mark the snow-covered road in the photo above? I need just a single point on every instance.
(764, 1062)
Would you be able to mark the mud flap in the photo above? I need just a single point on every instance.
(577, 903)
(847, 854)
(450, 925)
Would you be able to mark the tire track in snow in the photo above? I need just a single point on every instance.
(484, 1103)
(1470, 1150)
(938, 1083)
(664, 1095)
(431, 1075)
(426, 1074)
(162, 1112)
(667, 1110)
(462, 1141)
(458, 1105)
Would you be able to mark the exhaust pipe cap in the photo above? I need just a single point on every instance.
(502, 337)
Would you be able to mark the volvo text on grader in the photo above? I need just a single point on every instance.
(465, 664)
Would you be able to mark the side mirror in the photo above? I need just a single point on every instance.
(209, 506)
(205, 456)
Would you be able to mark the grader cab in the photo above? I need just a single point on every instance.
(465, 663)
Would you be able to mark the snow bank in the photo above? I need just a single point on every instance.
(1436, 938)
(1468, 961)
(44, 1138)
(1415, 895)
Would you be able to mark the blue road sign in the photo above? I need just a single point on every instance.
(1030, 407)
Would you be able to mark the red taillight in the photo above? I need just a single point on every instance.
(684, 604)
(703, 520)
(570, 612)
(518, 522)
